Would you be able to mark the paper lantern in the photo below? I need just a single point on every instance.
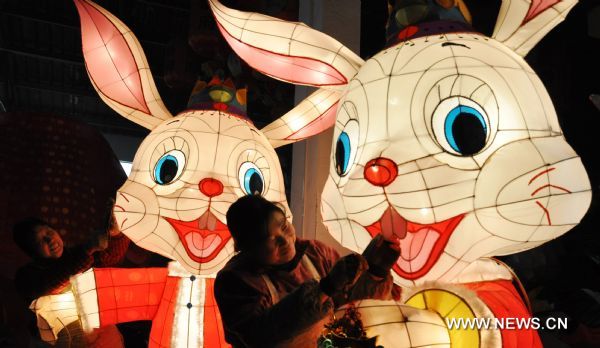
(185, 175)
(58, 323)
(53, 314)
(394, 324)
(446, 140)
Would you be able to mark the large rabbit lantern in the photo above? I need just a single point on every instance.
(185, 175)
(447, 140)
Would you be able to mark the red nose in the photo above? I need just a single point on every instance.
(381, 171)
(210, 187)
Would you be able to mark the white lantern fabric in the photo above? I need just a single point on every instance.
(389, 321)
(53, 314)
(519, 186)
(191, 167)
(450, 142)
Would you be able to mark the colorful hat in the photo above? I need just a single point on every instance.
(410, 19)
(220, 95)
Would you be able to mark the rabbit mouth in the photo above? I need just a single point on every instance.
(420, 245)
(202, 238)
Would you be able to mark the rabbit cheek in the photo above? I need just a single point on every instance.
(334, 215)
(531, 191)
(136, 210)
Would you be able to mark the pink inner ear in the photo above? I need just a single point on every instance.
(537, 7)
(318, 125)
(109, 60)
(298, 70)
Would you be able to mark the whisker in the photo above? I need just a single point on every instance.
(540, 174)
(545, 211)
(549, 185)
(125, 198)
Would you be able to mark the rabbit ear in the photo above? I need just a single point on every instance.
(287, 51)
(313, 115)
(118, 68)
(522, 24)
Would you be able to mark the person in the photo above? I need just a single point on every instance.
(52, 266)
(278, 290)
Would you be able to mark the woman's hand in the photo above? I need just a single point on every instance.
(381, 255)
(371, 287)
(343, 274)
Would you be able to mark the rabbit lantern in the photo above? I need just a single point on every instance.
(185, 175)
(446, 140)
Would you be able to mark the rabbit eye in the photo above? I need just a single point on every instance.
(251, 179)
(342, 153)
(345, 148)
(462, 130)
(169, 167)
(465, 130)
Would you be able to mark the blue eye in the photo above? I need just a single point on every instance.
(253, 182)
(165, 170)
(169, 167)
(251, 179)
(342, 153)
(466, 130)
(345, 147)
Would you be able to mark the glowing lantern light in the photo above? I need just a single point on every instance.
(184, 177)
(54, 313)
(449, 141)
(388, 320)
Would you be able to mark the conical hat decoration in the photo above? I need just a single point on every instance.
(219, 94)
(410, 19)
